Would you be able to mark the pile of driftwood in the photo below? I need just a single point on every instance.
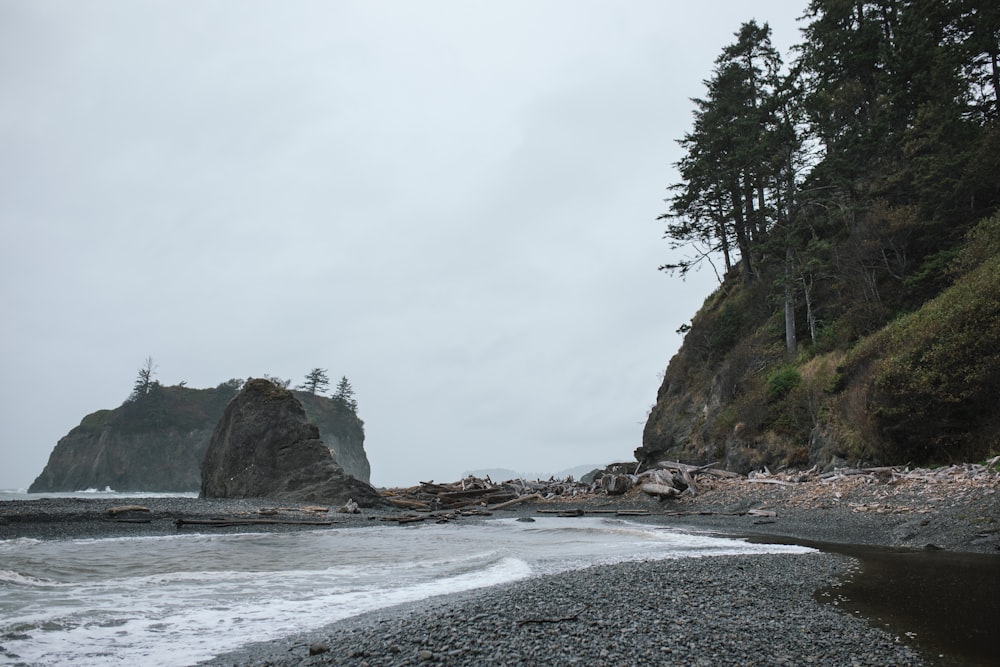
(891, 475)
(669, 479)
(469, 492)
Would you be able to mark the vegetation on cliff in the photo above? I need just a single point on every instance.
(851, 200)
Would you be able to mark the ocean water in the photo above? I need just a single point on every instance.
(107, 492)
(175, 600)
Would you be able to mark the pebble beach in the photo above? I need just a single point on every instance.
(736, 610)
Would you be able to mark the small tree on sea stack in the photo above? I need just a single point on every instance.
(316, 381)
(345, 395)
(144, 383)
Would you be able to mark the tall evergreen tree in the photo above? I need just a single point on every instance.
(737, 156)
(345, 394)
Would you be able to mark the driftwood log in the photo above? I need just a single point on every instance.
(518, 501)
(661, 490)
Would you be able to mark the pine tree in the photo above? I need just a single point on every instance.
(738, 157)
(144, 382)
(345, 395)
(316, 381)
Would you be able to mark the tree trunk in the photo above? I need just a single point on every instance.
(742, 238)
(995, 78)
(810, 315)
(790, 342)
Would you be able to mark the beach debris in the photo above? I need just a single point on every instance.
(479, 492)
(622, 484)
(672, 479)
(668, 479)
(876, 490)
(318, 509)
(317, 648)
(350, 507)
(616, 484)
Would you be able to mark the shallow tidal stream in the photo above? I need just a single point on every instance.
(945, 604)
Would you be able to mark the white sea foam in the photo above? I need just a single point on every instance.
(180, 599)
(10, 577)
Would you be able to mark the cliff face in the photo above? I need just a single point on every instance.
(264, 446)
(918, 385)
(341, 430)
(164, 461)
(157, 442)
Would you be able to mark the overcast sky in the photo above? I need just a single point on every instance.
(451, 203)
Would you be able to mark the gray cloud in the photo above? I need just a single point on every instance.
(451, 203)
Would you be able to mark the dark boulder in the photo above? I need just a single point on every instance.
(264, 446)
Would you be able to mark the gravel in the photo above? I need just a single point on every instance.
(730, 610)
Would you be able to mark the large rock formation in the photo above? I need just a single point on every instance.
(152, 443)
(341, 430)
(156, 442)
(265, 446)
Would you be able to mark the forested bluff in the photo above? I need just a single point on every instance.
(848, 202)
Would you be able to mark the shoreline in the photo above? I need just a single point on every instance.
(722, 610)
(719, 610)
(958, 515)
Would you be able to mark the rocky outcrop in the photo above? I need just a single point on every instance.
(154, 443)
(341, 430)
(163, 461)
(265, 446)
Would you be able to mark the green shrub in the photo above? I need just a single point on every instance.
(782, 381)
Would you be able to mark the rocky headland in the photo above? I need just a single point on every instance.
(265, 447)
(156, 441)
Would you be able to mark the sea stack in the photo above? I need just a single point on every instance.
(265, 447)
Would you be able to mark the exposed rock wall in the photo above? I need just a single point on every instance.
(265, 446)
(155, 443)
(166, 460)
(341, 430)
